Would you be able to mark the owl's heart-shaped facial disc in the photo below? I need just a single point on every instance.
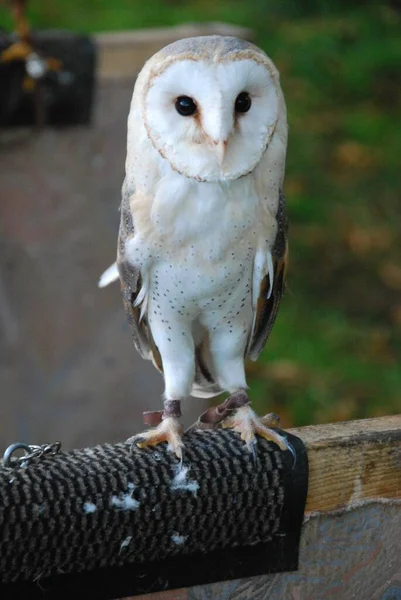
(212, 120)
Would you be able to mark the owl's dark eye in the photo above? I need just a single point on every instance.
(243, 102)
(185, 106)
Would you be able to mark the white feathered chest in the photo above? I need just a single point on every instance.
(196, 248)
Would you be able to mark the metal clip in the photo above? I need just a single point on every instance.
(32, 452)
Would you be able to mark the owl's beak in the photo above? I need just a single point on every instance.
(220, 149)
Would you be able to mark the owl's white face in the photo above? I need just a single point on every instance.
(212, 121)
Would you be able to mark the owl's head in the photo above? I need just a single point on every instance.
(210, 106)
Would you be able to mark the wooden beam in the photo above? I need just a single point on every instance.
(352, 462)
(123, 53)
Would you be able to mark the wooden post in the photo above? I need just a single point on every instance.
(353, 462)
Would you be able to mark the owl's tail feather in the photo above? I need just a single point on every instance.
(205, 385)
(205, 391)
(111, 274)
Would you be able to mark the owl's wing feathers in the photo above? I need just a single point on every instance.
(267, 296)
(131, 284)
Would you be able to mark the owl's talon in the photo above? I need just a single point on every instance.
(181, 463)
(252, 449)
(271, 420)
(169, 430)
(290, 448)
(248, 424)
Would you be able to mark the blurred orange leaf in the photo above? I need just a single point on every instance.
(362, 240)
(352, 154)
(391, 276)
(286, 371)
(396, 314)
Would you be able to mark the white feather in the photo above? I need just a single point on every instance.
(259, 271)
(111, 274)
(270, 270)
(142, 298)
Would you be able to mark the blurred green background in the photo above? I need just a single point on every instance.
(335, 352)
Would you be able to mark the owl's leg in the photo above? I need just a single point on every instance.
(176, 347)
(228, 349)
(169, 430)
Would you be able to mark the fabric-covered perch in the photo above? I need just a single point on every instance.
(110, 521)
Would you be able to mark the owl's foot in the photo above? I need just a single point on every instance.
(271, 420)
(168, 430)
(247, 423)
(214, 416)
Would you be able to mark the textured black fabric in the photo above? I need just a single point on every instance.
(109, 506)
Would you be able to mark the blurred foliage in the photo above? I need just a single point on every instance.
(335, 352)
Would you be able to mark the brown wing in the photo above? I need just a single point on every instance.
(131, 282)
(267, 308)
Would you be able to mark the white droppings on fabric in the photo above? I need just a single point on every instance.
(125, 501)
(89, 507)
(181, 481)
(39, 509)
(125, 543)
(178, 539)
(90, 452)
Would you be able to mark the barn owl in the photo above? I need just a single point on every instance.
(202, 246)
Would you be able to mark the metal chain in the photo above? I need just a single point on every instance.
(32, 452)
